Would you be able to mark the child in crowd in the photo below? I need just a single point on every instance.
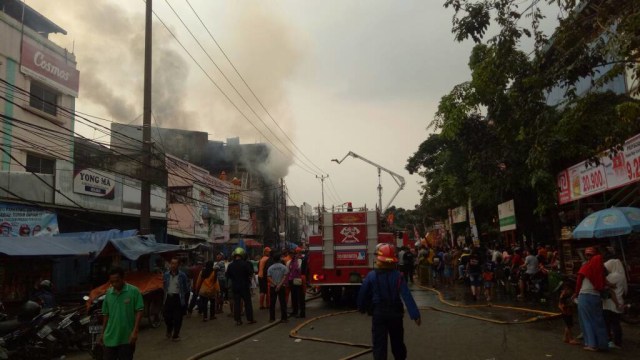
(488, 275)
(566, 306)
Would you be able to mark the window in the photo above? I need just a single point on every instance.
(40, 165)
(43, 98)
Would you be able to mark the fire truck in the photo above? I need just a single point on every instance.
(341, 257)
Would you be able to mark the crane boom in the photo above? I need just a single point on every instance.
(396, 177)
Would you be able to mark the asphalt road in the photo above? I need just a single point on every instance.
(441, 336)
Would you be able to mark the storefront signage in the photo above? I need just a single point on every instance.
(507, 216)
(351, 258)
(94, 183)
(613, 171)
(48, 67)
(19, 220)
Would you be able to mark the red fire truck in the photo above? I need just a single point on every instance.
(341, 257)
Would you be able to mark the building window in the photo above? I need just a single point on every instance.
(40, 165)
(43, 98)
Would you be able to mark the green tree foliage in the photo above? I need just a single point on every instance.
(496, 136)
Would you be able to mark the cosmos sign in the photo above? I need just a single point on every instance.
(48, 67)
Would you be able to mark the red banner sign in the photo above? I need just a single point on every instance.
(350, 218)
(613, 171)
(48, 67)
(350, 234)
(351, 258)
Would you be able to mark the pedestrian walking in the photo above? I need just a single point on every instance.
(262, 278)
(239, 273)
(409, 264)
(381, 295)
(192, 274)
(277, 274)
(176, 289)
(207, 282)
(122, 309)
(590, 283)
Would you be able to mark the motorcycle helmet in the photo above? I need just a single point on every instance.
(28, 311)
(386, 253)
(239, 252)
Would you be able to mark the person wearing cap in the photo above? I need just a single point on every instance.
(381, 294)
(262, 279)
(589, 285)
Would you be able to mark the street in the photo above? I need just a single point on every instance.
(442, 335)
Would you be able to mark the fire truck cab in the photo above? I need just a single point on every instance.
(343, 255)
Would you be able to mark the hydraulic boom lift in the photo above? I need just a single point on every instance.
(397, 178)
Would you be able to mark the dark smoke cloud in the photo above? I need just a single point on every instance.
(109, 46)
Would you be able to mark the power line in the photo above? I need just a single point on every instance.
(249, 87)
(224, 93)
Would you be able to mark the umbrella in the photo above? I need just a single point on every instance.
(611, 222)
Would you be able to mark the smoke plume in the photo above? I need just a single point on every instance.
(108, 41)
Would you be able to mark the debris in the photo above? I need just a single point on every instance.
(298, 340)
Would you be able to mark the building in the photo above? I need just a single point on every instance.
(257, 200)
(40, 83)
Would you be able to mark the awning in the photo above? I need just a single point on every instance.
(184, 235)
(131, 247)
(44, 245)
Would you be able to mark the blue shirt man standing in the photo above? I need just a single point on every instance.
(381, 294)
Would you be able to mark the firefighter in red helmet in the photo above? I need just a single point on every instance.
(381, 294)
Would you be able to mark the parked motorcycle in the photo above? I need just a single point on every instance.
(92, 324)
(29, 336)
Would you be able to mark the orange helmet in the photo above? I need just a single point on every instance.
(386, 253)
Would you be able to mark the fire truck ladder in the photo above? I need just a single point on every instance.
(397, 178)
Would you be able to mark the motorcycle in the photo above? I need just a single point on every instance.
(92, 324)
(29, 336)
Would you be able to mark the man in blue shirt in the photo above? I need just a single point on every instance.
(380, 294)
(176, 290)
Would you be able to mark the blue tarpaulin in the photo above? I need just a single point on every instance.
(126, 242)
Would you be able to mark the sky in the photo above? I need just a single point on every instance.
(335, 76)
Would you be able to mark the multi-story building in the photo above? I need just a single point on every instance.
(39, 85)
(256, 202)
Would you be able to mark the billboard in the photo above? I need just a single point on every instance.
(48, 67)
(611, 171)
(19, 220)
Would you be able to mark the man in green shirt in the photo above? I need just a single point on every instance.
(122, 310)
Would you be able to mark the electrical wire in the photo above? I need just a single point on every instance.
(208, 76)
(249, 87)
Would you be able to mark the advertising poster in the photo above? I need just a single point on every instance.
(20, 220)
(614, 171)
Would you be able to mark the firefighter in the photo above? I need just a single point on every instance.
(380, 296)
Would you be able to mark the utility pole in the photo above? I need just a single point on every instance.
(145, 189)
(322, 177)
